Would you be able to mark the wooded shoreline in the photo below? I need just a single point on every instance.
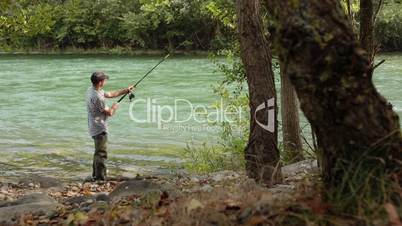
(111, 51)
(123, 51)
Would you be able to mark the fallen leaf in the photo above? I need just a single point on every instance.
(317, 205)
(162, 212)
(392, 215)
(87, 193)
(194, 204)
(256, 220)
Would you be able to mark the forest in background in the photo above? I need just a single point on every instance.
(136, 24)
(143, 24)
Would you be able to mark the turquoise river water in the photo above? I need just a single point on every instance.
(43, 119)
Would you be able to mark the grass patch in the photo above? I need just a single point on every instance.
(206, 159)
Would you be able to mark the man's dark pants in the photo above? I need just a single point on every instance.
(100, 156)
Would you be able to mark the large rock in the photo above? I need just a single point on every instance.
(79, 200)
(41, 181)
(138, 187)
(33, 203)
(305, 166)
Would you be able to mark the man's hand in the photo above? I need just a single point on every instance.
(110, 111)
(130, 89)
(115, 106)
(120, 92)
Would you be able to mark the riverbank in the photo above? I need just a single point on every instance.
(124, 51)
(104, 51)
(221, 198)
(73, 165)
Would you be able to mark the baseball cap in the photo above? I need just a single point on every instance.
(98, 76)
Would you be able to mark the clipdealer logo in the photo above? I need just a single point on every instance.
(182, 111)
(270, 106)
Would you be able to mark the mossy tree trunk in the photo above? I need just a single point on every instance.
(367, 27)
(292, 144)
(261, 153)
(357, 130)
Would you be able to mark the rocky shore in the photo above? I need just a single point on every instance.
(222, 198)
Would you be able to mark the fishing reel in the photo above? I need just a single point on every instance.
(131, 96)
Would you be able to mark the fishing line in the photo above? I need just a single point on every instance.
(131, 95)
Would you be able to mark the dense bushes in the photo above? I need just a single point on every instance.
(148, 24)
(389, 27)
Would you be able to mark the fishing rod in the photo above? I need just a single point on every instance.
(131, 95)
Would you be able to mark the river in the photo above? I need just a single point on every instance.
(43, 119)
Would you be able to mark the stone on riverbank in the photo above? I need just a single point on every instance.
(41, 182)
(138, 187)
(302, 167)
(35, 203)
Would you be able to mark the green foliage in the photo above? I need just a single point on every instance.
(364, 187)
(148, 24)
(228, 153)
(389, 26)
(233, 135)
(207, 159)
(232, 90)
(152, 24)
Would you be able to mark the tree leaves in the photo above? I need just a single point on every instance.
(106, 23)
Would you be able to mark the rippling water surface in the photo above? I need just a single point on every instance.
(43, 120)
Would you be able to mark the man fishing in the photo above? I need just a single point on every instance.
(98, 113)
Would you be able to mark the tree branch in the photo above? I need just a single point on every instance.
(377, 10)
(377, 65)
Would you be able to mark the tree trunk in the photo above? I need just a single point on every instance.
(356, 128)
(292, 144)
(367, 27)
(261, 153)
(349, 9)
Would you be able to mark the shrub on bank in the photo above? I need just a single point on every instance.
(389, 29)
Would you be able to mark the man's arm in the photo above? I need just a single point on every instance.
(113, 94)
(110, 111)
